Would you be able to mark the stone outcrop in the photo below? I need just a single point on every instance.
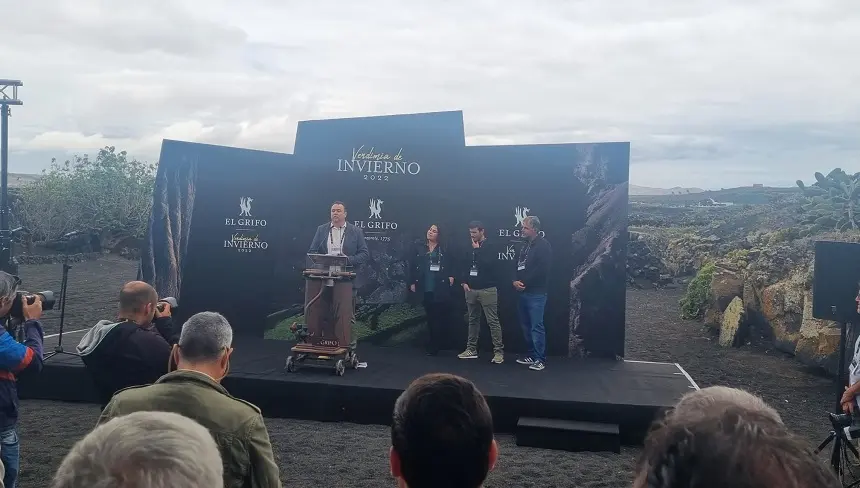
(818, 340)
(733, 327)
(644, 266)
(782, 309)
(726, 285)
(766, 289)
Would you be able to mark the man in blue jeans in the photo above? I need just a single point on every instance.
(532, 281)
(15, 358)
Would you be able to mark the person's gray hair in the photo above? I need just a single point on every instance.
(205, 337)
(143, 449)
(534, 221)
(717, 398)
(8, 285)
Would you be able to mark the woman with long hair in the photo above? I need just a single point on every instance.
(431, 279)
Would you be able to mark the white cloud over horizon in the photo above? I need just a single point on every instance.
(709, 94)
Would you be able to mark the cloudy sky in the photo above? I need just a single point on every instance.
(710, 94)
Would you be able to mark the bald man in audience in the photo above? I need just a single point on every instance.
(135, 348)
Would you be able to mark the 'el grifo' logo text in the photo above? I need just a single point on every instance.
(377, 166)
(520, 213)
(245, 236)
(375, 228)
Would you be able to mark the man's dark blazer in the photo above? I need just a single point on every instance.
(354, 246)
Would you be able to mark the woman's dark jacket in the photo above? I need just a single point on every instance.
(419, 267)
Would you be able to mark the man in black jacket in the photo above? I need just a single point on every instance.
(532, 281)
(134, 350)
(479, 283)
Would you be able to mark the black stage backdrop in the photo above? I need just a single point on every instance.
(398, 175)
(227, 204)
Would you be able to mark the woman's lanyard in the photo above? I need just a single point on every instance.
(437, 264)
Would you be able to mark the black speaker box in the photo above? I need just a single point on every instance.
(836, 281)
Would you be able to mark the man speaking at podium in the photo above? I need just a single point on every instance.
(341, 239)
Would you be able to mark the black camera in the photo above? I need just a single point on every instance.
(17, 310)
(168, 300)
(840, 420)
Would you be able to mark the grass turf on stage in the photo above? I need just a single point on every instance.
(627, 393)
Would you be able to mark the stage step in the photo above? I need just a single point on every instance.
(568, 435)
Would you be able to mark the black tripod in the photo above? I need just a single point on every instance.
(843, 431)
(63, 287)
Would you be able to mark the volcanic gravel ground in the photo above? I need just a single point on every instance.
(313, 454)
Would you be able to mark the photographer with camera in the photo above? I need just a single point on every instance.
(133, 350)
(849, 398)
(16, 358)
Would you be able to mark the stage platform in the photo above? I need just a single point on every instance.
(626, 393)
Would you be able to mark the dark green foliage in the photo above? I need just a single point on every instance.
(694, 302)
(831, 203)
(110, 193)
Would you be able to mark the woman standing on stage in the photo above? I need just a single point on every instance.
(431, 278)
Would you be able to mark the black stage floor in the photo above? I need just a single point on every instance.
(627, 393)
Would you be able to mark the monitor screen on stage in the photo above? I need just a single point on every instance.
(234, 234)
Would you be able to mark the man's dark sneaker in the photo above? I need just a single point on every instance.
(526, 361)
(537, 366)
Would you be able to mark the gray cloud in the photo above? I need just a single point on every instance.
(710, 94)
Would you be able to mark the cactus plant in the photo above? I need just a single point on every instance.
(832, 202)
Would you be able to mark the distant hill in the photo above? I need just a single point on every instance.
(647, 191)
(17, 180)
(741, 195)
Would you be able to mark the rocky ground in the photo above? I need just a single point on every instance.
(311, 454)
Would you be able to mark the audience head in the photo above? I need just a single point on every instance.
(143, 450)
(442, 434)
(728, 445)
(8, 288)
(137, 302)
(702, 402)
(205, 345)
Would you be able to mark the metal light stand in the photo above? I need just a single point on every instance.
(63, 288)
(7, 261)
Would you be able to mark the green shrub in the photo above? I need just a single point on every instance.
(738, 257)
(110, 193)
(694, 301)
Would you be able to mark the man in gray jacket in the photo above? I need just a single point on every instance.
(337, 237)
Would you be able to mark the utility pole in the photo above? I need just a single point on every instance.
(8, 97)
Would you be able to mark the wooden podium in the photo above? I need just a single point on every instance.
(329, 309)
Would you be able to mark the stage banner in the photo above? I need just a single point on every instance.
(236, 208)
(232, 227)
(166, 244)
(386, 171)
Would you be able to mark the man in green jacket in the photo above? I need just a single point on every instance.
(202, 359)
